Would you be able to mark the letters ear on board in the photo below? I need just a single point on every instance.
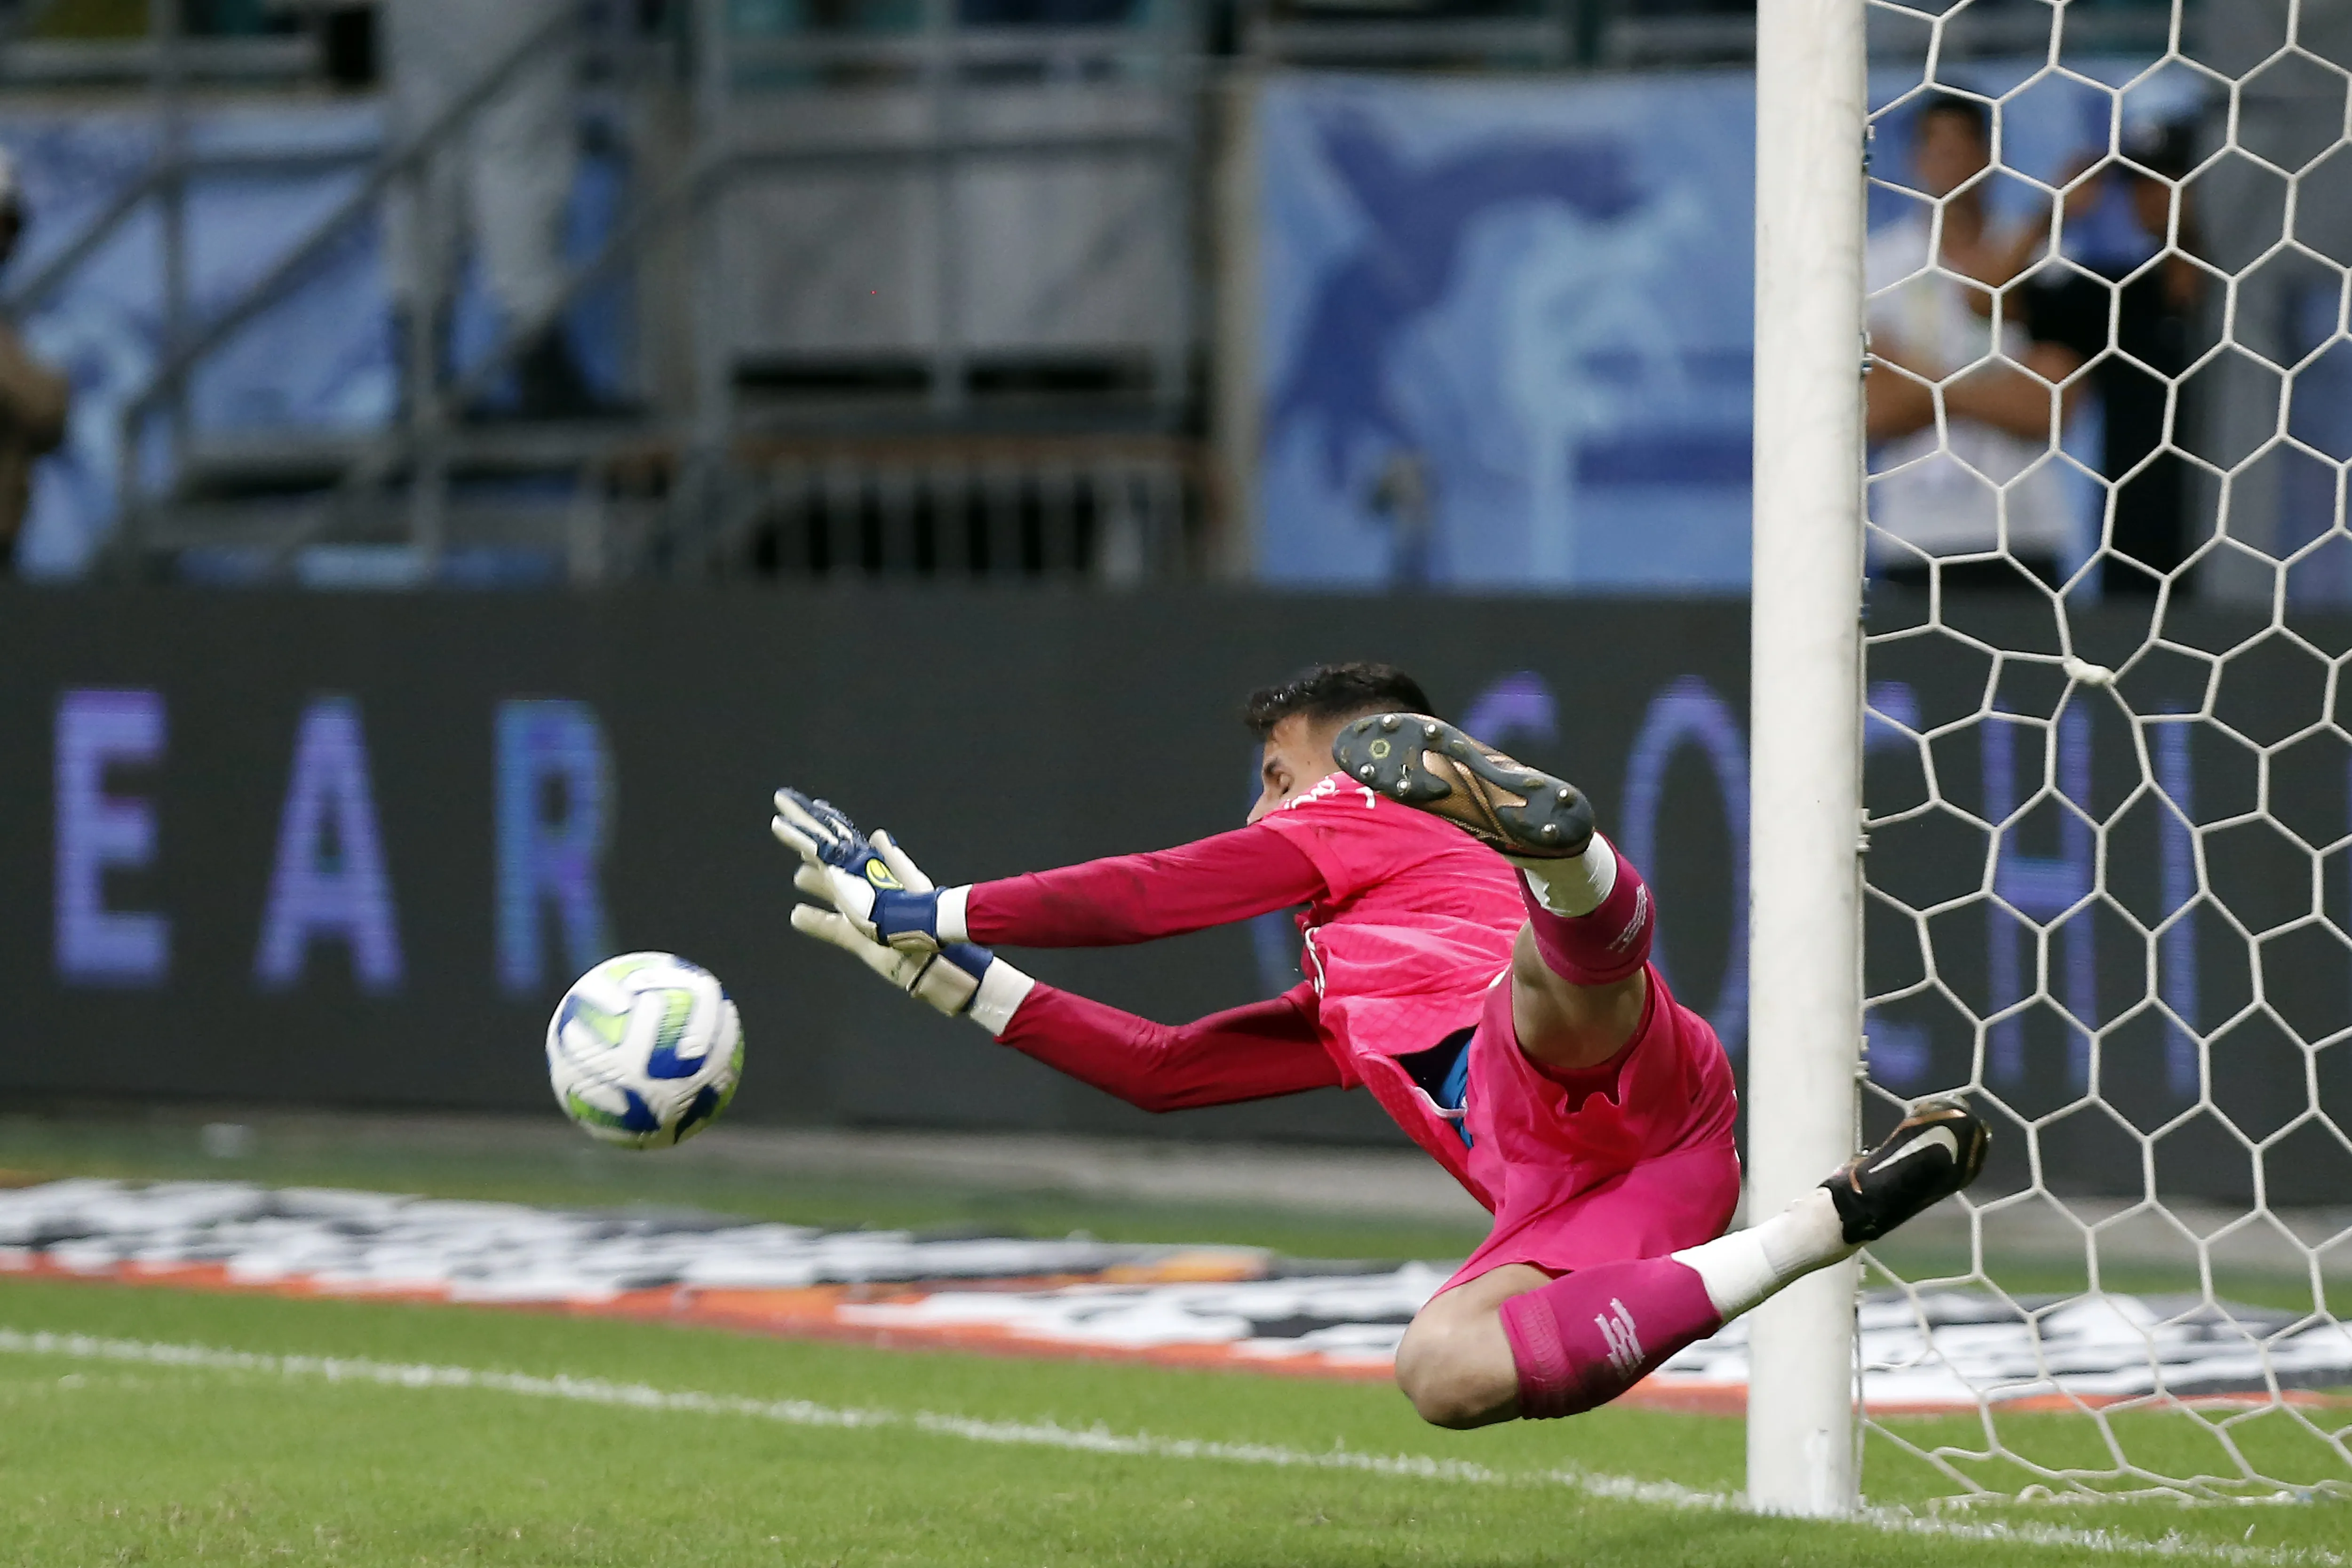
(99, 831)
(550, 859)
(329, 880)
(330, 883)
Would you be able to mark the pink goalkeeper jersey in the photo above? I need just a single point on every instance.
(1416, 921)
(1408, 921)
(1407, 918)
(1409, 925)
(1407, 947)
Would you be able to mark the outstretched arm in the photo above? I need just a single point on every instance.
(1256, 1052)
(1231, 877)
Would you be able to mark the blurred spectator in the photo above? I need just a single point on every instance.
(506, 176)
(2156, 294)
(1938, 323)
(34, 398)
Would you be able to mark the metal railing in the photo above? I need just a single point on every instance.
(1535, 35)
(1119, 511)
(936, 64)
(184, 350)
(289, 61)
(397, 485)
(1622, 34)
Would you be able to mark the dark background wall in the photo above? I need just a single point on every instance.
(998, 733)
(993, 733)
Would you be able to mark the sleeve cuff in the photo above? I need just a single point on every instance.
(1003, 989)
(948, 919)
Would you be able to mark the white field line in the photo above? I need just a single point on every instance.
(1096, 1440)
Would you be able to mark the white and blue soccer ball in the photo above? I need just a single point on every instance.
(645, 1051)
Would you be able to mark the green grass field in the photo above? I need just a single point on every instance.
(104, 1461)
(980, 1461)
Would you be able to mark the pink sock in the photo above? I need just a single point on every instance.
(1588, 1337)
(1608, 944)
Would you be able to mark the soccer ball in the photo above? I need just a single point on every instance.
(645, 1051)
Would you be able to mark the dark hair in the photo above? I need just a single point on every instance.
(1975, 110)
(1326, 692)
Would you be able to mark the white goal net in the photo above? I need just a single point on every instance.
(2108, 749)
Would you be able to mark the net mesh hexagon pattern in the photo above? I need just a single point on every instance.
(2108, 750)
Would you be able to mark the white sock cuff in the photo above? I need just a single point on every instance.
(1734, 1270)
(1747, 1268)
(1574, 887)
(949, 919)
(1003, 989)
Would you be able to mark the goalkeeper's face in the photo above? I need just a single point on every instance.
(1296, 756)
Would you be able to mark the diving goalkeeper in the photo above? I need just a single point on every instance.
(1477, 957)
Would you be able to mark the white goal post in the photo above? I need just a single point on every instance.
(1805, 805)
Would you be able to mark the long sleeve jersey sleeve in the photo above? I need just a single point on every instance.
(1256, 1052)
(1126, 899)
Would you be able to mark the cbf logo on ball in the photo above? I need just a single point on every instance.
(645, 1051)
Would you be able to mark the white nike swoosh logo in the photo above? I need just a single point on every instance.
(1935, 1137)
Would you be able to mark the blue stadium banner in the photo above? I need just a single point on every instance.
(1505, 331)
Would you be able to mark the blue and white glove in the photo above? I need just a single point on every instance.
(951, 979)
(870, 887)
(956, 979)
(885, 896)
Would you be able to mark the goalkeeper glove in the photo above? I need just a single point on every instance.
(881, 892)
(956, 979)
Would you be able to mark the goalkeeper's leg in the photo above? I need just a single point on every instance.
(1517, 1343)
(1577, 980)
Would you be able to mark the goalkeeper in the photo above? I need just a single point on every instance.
(1477, 958)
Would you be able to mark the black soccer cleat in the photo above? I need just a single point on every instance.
(1932, 1154)
(1429, 764)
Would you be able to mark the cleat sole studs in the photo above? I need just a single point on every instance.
(1391, 722)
